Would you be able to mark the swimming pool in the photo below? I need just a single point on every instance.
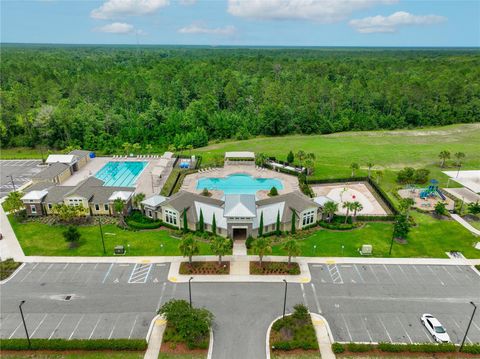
(239, 184)
(120, 174)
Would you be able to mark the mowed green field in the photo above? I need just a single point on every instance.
(38, 239)
(390, 151)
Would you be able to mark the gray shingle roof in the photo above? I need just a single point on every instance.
(51, 171)
(57, 193)
(296, 201)
(185, 200)
(80, 153)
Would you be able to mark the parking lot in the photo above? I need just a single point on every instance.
(67, 300)
(384, 303)
(21, 171)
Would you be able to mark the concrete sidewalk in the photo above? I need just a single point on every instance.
(155, 338)
(324, 336)
(467, 225)
(9, 246)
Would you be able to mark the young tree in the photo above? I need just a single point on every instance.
(329, 208)
(260, 226)
(440, 208)
(294, 227)
(189, 247)
(301, 156)
(370, 166)
(405, 205)
(205, 192)
(201, 223)
(260, 159)
(261, 246)
(214, 225)
(401, 227)
(444, 155)
(378, 176)
(354, 166)
(68, 213)
(220, 247)
(277, 225)
(118, 206)
(348, 206)
(290, 157)
(292, 248)
(127, 148)
(72, 235)
(459, 156)
(474, 208)
(137, 199)
(185, 222)
(309, 165)
(273, 192)
(356, 207)
(13, 202)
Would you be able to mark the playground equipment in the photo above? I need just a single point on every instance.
(432, 191)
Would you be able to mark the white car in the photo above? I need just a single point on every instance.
(435, 328)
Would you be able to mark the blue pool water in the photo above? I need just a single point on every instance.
(239, 184)
(123, 174)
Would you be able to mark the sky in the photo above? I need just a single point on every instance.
(409, 23)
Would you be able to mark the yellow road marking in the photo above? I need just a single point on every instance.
(304, 280)
(172, 279)
(160, 322)
(330, 262)
(145, 261)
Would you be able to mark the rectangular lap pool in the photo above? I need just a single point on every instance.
(121, 174)
(239, 184)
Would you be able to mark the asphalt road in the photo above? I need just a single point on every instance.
(21, 171)
(362, 303)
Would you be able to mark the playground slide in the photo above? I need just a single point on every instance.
(441, 194)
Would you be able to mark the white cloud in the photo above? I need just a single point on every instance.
(117, 28)
(199, 29)
(390, 23)
(188, 2)
(324, 11)
(121, 8)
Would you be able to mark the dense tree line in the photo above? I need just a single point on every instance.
(102, 97)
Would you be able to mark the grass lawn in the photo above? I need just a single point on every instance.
(74, 355)
(181, 356)
(431, 238)
(20, 153)
(47, 240)
(388, 150)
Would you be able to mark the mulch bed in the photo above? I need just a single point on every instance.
(294, 352)
(274, 268)
(205, 268)
(180, 348)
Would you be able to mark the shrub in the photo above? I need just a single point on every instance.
(471, 349)
(273, 192)
(411, 175)
(440, 208)
(338, 348)
(417, 348)
(359, 348)
(249, 242)
(74, 344)
(339, 226)
(300, 312)
(7, 267)
(72, 235)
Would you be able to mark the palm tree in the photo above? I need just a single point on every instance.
(369, 165)
(379, 176)
(348, 206)
(292, 248)
(220, 247)
(261, 246)
(310, 165)
(300, 156)
(260, 159)
(459, 156)
(356, 207)
(354, 166)
(13, 203)
(189, 247)
(329, 208)
(137, 199)
(444, 155)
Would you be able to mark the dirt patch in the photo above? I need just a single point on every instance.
(274, 268)
(180, 348)
(205, 268)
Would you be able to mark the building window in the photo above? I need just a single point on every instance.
(170, 217)
(49, 206)
(150, 213)
(308, 218)
(33, 209)
(97, 207)
(105, 206)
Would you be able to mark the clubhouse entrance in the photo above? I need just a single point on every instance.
(239, 234)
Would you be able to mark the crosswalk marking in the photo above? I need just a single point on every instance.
(140, 273)
(335, 273)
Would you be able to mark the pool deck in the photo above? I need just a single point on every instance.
(144, 181)
(290, 183)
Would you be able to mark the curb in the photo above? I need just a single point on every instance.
(267, 338)
(210, 345)
(150, 328)
(13, 274)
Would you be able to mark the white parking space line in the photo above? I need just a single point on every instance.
(38, 326)
(11, 335)
(365, 321)
(461, 329)
(389, 274)
(54, 330)
(346, 327)
(425, 331)
(303, 295)
(31, 270)
(403, 272)
(372, 268)
(108, 272)
(361, 277)
(140, 273)
(403, 327)
(91, 274)
(161, 295)
(114, 325)
(335, 273)
(316, 299)
(76, 327)
(385, 328)
(133, 326)
(45, 272)
(449, 274)
(95, 327)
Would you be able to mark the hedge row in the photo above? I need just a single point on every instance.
(404, 348)
(74, 344)
(138, 225)
(338, 226)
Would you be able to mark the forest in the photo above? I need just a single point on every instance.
(109, 98)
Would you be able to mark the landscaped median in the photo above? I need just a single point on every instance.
(386, 349)
(7, 268)
(74, 344)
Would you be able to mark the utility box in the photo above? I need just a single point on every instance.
(366, 250)
(119, 250)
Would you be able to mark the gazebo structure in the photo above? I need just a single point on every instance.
(240, 158)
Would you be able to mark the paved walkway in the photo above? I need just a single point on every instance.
(239, 248)
(9, 246)
(467, 225)
(324, 336)
(155, 339)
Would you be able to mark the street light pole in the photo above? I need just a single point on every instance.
(469, 323)
(13, 183)
(101, 234)
(24, 324)
(284, 300)
(190, 290)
